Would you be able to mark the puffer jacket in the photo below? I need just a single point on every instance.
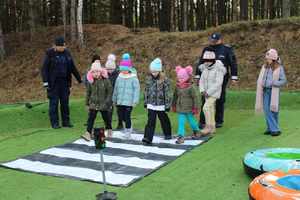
(186, 99)
(127, 90)
(212, 79)
(158, 91)
(98, 95)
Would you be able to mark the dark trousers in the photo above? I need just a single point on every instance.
(219, 117)
(110, 115)
(59, 94)
(124, 115)
(92, 117)
(150, 126)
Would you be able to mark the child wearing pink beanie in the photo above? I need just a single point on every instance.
(98, 98)
(185, 102)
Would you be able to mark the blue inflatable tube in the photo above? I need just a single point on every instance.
(265, 160)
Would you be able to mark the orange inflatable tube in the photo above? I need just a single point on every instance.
(276, 185)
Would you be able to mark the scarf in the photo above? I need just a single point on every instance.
(259, 92)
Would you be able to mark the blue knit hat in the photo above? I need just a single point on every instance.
(126, 56)
(156, 65)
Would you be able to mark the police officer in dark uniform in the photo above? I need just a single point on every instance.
(57, 70)
(226, 55)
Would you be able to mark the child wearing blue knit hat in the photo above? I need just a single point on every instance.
(157, 100)
(126, 93)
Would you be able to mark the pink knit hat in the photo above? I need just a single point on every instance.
(272, 54)
(184, 73)
(96, 66)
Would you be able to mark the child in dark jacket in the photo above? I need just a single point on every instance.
(157, 101)
(185, 103)
(98, 98)
(113, 74)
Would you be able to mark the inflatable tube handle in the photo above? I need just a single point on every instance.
(262, 167)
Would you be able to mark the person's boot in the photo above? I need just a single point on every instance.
(86, 136)
(213, 129)
(109, 133)
(67, 124)
(206, 130)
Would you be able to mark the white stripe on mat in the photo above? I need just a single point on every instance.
(129, 161)
(82, 173)
(156, 139)
(137, 148)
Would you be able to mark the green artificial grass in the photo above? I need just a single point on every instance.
(284, 156)
(211, 171)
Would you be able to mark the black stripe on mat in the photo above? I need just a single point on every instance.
(71, 162)
(117, 152)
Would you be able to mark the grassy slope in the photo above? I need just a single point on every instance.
(211, 171)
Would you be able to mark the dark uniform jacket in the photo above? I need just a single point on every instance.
(51, 69)
(225, 54)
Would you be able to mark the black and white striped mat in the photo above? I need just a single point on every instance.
(126, 161)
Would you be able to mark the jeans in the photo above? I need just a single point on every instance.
(271, 117)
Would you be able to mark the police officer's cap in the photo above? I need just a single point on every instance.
(215, 36)
(60, 41)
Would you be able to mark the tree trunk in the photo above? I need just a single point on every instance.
(244, 9)
(2, 50)
(32, 18)
(286, 8)
(64, 17)
(149, 13)
(165, 15)
(73, 20)
(79, 23)
(235, 13)
(185, 15)
(191, 12)
(255, 9)
(116, 12)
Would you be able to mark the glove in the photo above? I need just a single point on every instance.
(195, 111)
(205, 94)
(145, 106)
(174, 108)
(45, 85)
(167, 110)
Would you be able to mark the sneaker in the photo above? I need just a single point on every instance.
(180, 140)
(267, 133)
(127, 133)
(120, 127)
(146, 142)
(196, 135)
(205, 131)
(109, 133)
(68, 125)
(168, 137)
(219, 125)
(86, 136)
(56, 126)
(275, 133)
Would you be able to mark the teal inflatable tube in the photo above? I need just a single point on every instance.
(265, 160)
